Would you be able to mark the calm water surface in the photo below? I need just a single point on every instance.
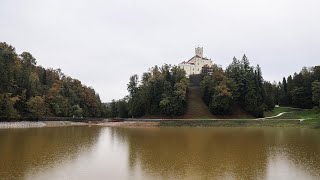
(159, 153)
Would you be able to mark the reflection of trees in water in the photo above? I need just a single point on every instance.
(186, 153)
(22, 149)
(301, 146)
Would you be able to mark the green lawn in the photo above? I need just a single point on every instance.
(304, 114)
(309, 114)
(240, 123)
(278, 110)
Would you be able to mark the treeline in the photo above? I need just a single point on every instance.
(301, 90)
(31, 91)
(239, 85)
(161, 91)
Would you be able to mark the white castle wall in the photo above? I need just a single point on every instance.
(194, 65)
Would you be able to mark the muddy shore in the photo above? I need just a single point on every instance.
(38, 124)
(166, 123)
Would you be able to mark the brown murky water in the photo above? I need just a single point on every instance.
(159, 153)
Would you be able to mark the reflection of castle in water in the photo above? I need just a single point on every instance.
(221, 153)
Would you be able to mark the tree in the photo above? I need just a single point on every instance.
(284, 92)
(7, 110)
(8, 58)
(316, 92)
(251, 101)
(123, 108)
(21, 80)
(259, 85)
(114, 109)
(290, 88)
(300, 98)
(300, 88)
(28, 59)
(221, 103)
(162, 91)
(137, 104)
(77, 111)
(133, 84)
(36, 106)
(269, 100)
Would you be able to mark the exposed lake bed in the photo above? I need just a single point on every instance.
(314, 124)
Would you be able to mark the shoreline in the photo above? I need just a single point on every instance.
(166, 123)
(38, 124)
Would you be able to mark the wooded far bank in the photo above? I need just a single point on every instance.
(29, 91)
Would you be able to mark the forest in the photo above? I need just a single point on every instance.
(301, 90)
(28, 91)
(161, 91)
(239, 85)
(243, 85)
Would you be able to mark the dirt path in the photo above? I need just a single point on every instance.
(196, 107)
(280, 114)
(271, 117)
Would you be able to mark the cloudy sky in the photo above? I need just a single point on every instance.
(103, 42)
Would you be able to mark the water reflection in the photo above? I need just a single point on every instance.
(27, 151)
(224, 153)
(159, 153)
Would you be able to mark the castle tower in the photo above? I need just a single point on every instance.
(199, 51)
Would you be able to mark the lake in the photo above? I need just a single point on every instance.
(85, 152)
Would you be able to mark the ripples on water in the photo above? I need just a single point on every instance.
(159, 153)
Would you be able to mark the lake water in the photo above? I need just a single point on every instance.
(159, 153)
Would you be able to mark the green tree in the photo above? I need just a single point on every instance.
(123, 110)
(77, 111)
(133, 84)
(114, 109)
(269, 101)
(8, 58)
(316, 92)
(162, 91)
(284, 93)
(36, 106)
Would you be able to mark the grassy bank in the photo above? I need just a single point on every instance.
(278, 110)
(295, 113)
(310, 114)
(240, 123)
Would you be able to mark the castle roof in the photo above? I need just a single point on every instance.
(188, 62)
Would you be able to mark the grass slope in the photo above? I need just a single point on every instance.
(197, 109)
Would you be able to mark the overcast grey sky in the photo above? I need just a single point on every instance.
(103, 42)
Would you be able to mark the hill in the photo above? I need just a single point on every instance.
(197, 109)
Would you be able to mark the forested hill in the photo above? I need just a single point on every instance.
(31, 91)
(28, 91)
(163, 92)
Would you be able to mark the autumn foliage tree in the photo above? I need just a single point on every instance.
(31, 91)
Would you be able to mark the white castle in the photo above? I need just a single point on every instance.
(196, 63)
